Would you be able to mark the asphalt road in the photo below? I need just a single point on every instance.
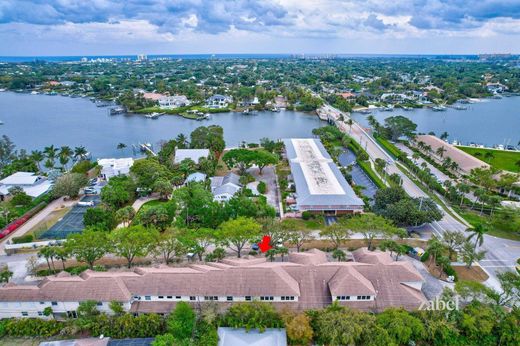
(501, 254)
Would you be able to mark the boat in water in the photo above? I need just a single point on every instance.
(153, 115)
(247, 111)
(439, 109)
(460, 107)
(116, 110)
(389, 108)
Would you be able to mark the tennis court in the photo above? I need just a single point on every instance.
(72, 222)
(131, 342)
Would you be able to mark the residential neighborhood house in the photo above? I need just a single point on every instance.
(114, 167)
(33, 185)
(218, 101)
(223, 188)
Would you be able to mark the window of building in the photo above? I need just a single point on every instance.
(72, 314)
(210, 298)
(229, 298)
(160, 297)
(147, 298)
(54, 303)
(99, 303)
(192, 297)
(41, 303)
(266, 298)
(25, 313)
(177, 297)
(169, 297)
(40, 313)
(287, 298)
(248, 298)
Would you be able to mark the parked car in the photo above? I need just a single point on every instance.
(86, 204)
(90, 191)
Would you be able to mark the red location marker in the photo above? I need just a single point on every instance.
(265, 244)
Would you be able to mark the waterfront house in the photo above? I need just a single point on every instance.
(347, 95)
(176, 101)
(496, 87)
(224, 188)
(320, 186)
(218, 101)
(250, 102)
(32, 184)
(193, 154)
(114, 167)
(280, 102)
(372, 282)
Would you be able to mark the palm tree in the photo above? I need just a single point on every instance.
(440, 151)
(478, 233)
(444, 135)
(50, 153)
(182, 141)
(37, 156)
(350, 122)
(463, 190)
(65, 155)
(454, 166)
(121, 146)
(283, 251)
(48, 253)
(80, 153)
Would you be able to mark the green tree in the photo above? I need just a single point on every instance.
(132, 242)
(401, 326)
(155, 216)
(211, 137)
(69, 185)
(254, 315)
(99, 218)
(372, 226)
(148, 171)
(181, 322)
(264, 158)
(186, 167)
(163, 187)
(118, 192)
(398, 126)
(236, 233)
(478, 233)
(117, 308)
(339, 255)
(125, 215)
(88, 246)
(337, 233)
(453, 241)
(242, 159)
(470, 254)
(170, 246)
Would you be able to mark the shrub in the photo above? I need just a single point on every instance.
(28, 238)
(262, 187)
(246, 179)
(32, 327)
(254, 315)
(306, 215)
(425, 256)
(181, 321)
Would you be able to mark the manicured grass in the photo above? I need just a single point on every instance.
(496, 228)
(365, 165)
(389, 147)
(501, 159)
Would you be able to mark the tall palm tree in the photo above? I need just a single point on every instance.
(350, 122)
(80, 153)
(37, 156)
(121, 146)
(65, 155)
(50, 152)
(478, 233)
(463, 190)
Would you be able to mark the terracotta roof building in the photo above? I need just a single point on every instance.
(308, 280)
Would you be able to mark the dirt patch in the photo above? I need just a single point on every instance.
(475, 273)
(435, 270)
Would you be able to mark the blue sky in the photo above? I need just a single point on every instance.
(105, 27)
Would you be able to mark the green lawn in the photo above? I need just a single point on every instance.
(501, 159)
(498, 228)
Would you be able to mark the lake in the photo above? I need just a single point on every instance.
(35, 121)
(488, 122)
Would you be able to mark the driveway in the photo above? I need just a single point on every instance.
(269, 178)
(432, 286)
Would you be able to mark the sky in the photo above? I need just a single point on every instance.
(113, 27)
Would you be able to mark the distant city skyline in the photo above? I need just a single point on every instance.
(111, 27)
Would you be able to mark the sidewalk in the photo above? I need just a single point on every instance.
(36, 219)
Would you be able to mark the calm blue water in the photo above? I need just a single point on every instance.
(489, 122)
(36, 121)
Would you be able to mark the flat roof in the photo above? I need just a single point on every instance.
(193, 154)
(319, 182)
